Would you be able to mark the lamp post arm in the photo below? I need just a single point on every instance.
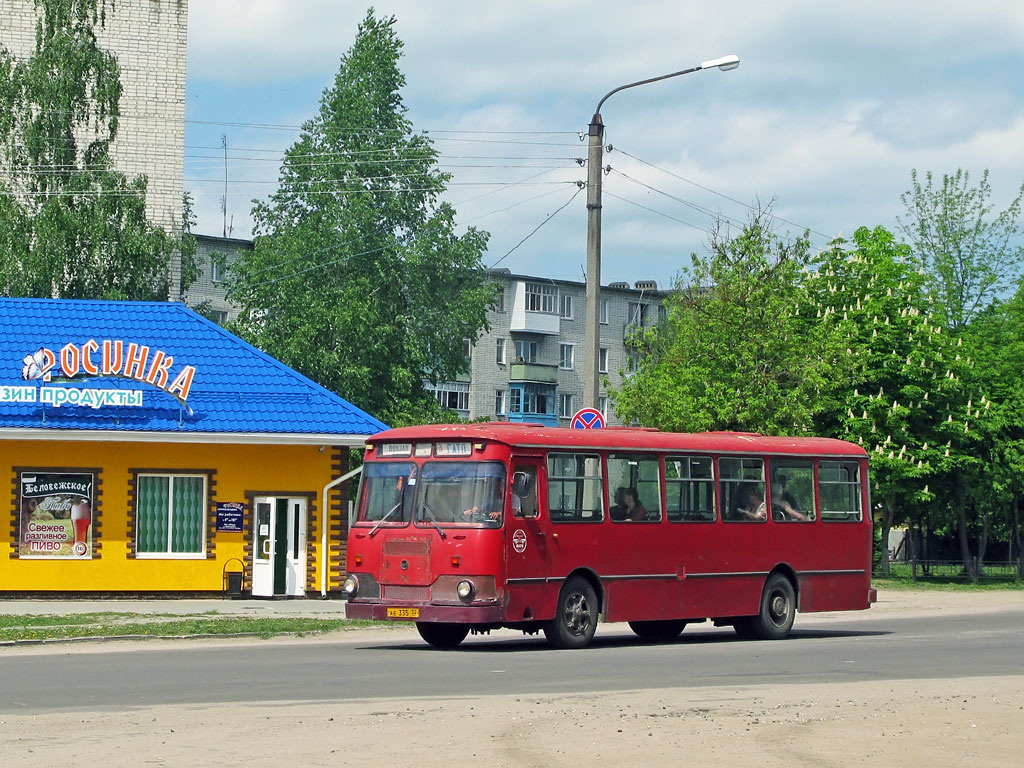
(597, 111)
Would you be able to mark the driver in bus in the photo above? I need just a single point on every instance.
(490, 513)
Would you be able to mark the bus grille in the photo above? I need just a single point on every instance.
(400, 592)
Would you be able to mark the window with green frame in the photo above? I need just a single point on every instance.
(170, 515)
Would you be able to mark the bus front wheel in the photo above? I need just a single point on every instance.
(778, 609)
(444, 636)
(575, 617)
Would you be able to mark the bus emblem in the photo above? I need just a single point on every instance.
(519, 540)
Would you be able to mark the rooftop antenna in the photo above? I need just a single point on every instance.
(224, 199)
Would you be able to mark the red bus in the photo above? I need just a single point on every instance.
(476, 527)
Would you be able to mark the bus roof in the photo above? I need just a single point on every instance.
(619, 438)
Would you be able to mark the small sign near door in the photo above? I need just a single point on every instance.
(229, 516)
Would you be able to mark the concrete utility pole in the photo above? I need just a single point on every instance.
(595, 158)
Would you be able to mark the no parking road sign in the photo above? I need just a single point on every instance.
(587, 418)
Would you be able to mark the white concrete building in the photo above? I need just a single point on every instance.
(529, 366)
(149, 38)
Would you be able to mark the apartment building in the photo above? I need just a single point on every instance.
(530, 365)
(149, 39)
(214, 255)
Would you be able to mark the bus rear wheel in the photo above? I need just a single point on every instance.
(575, 616)
(778, 609)
(443, 636)
(658, 631)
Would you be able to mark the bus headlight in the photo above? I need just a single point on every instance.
(351, 586)
(465, 589)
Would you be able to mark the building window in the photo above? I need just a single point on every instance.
(467, 348)
(566, 306)
(453, 395)
(604, 311)
(499, 301)
(217, 268)
(602, 406)
(602, 366)
(526, 351)
(536, 399)
(500, 402)
(636, 313)
(219, 316)
(541, 298)
(499, 353)
(566, 356)
(565, 409)
(170, 515)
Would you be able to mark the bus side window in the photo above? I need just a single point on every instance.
(792, 490)
(839, 487)
(741, 485)
(690, 489)
(524, 491)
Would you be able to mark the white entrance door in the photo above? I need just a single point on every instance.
(279, 546)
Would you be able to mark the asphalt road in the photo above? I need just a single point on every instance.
(370, 665)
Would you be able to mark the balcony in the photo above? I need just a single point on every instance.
(539, 373)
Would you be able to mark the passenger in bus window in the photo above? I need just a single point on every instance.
(755, 508)
(784, 503)
(619, 511)
(635, 511)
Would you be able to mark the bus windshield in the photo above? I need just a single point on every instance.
(461, 493)
(387, 493)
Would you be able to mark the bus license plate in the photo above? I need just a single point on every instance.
(403, 613)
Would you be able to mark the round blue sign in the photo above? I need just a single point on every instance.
(587, 418)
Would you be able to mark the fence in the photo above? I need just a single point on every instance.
(955, 570)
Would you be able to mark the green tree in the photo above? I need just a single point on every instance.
(734, 351)
(358, 278)
(70, 225)
(906, 388)
(998, 336)
(970, 253)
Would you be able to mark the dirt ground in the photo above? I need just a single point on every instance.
(963, 722)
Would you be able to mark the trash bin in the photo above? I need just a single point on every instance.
(233, 579)
(235, 583)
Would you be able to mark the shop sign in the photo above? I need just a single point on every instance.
(56, 515)
(229, 516)
(95, 359)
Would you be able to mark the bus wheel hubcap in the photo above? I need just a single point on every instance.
(577, 615)
(779, 608)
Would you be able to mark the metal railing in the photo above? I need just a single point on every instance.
(956, 570)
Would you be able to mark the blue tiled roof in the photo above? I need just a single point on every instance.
(236, 387)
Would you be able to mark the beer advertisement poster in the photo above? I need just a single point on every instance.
(56, 515)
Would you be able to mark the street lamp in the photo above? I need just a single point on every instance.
(595, 157)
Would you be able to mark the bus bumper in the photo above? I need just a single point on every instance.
(444, 614)
(872, 596)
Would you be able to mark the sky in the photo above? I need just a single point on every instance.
(832, 106)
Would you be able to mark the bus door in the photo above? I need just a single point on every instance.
(527, 556)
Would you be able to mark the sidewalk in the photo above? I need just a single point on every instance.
(313, 607)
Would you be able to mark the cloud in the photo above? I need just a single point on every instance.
(832, 106)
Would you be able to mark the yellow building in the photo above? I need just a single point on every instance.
(150, 451)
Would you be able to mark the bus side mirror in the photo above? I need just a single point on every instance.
(522, 484)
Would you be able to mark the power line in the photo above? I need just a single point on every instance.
(581, 187)
(714, 192)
